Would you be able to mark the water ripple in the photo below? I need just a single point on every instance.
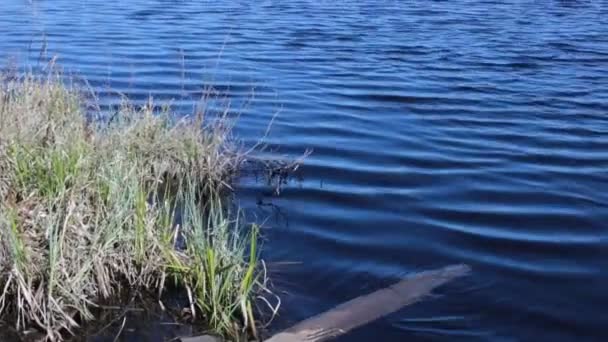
(461, 131)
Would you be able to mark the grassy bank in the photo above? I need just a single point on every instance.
(88, 210)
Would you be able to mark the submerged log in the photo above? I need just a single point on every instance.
(367, 308)
(364, 309)
(203, 338)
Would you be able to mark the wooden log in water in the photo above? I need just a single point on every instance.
(202, 338)
(367, 308)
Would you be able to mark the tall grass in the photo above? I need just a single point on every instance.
(89, 209)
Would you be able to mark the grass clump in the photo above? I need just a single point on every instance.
(89, 209)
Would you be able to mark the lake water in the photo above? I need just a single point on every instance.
(443, 132)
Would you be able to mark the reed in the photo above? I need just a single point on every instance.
(89, 208)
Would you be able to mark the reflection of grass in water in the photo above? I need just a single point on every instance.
(87, 210)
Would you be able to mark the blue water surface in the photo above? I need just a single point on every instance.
(443, 132)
